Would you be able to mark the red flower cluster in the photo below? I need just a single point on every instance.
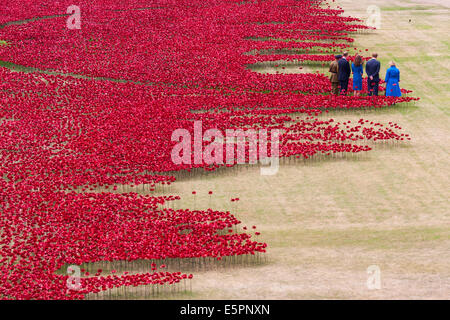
(69, 145)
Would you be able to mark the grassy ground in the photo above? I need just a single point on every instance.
(326, 222)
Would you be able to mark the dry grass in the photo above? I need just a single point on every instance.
(326, 222)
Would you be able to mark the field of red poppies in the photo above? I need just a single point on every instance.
(134, 72)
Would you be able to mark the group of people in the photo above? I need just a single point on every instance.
(341, 70)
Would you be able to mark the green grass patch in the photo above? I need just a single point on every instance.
(414, 8)
(423, 27)
(367, 238)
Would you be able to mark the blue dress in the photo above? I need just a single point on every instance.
(357, 77)
(392, 79)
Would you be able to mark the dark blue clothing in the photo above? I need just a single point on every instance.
(357, 77)
(372, 87)
(343, 75)
(392, 82)
(343, 84)
(344, 70)
(373, 69)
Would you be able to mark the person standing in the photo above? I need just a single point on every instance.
(392, 81)
(357, 70)
(334, 69)
(373, 74)
(344, 73)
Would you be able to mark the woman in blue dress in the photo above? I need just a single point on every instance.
(357, 69)
(392, 81)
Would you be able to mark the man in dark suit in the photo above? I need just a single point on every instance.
(344, 73)
(373, 74)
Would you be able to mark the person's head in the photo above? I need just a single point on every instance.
(345, 54)
(374, 55)
(391, 64)
(358, 60)
(337, 57)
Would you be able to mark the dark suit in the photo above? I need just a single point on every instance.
(373, 69)
(344, 75)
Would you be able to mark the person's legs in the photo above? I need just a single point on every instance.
(375, 88)
(344, 86)
(335, 88)
(370, 87)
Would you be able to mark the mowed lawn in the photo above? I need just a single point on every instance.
(327, 221)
